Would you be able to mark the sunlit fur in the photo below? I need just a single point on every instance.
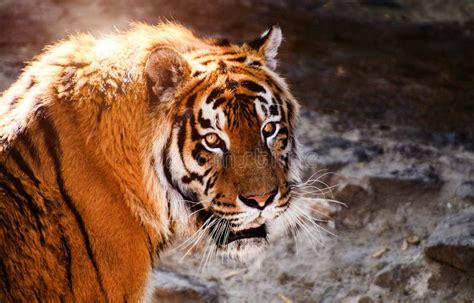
(102, 162)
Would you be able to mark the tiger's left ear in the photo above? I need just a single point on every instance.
(267, 45)
(165, 70)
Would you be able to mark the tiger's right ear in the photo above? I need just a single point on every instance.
(165, 71)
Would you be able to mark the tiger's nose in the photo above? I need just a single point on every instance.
(258, 201)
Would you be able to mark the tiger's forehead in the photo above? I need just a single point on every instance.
(230, 55)
(233, 102)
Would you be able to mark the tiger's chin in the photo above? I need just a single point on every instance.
(246, 244)
(243, 249)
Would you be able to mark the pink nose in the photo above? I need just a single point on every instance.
(261, 200)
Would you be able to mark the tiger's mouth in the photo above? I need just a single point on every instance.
(223, 240)
(258, 232)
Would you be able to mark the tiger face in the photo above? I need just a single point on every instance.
(230, 157)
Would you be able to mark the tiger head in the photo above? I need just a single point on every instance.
(231, 155)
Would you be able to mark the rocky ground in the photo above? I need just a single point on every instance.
(388, 93)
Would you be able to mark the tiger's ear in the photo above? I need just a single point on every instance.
(267, 45)
(165, 71)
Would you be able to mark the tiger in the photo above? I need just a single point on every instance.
(113, 147)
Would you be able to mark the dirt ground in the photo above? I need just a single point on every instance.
(388, 95)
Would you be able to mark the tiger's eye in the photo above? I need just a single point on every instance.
(212, 139)
(269, 129)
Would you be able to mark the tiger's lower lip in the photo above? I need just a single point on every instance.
(258, 232)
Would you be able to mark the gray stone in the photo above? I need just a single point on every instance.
(367, 153)
(466, 191)
(172, 287)
(395, 276)
(358, 210)
(405, 179)
(452, 242)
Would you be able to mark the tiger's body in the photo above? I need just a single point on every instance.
(106, 156)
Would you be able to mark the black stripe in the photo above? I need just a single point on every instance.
(196, 153)
(52, 144)
(201, 56)
(19, 201)
(243, 71)
(273, 110)
(34, 209)
(165, 161)
(197, 73)
(182, 140)
(101, 109)
(231, 84)
(238, 59)
(190, 101)
(219, 102)
(187, 119)
(210, 183)
(223, 204)
(68, 260)
(243, 97)
(273, 84)
(222, 66)
(214, 93)
(262, 99)
(151, 250)
(205, 123)
(291, 113)
(230, 213)
(284, 141)
(286, 194)
(264, 110)
(192, 177)
(32, 150)
(169, 178)
(253, 86)
(206, 62)
(6, 281)
(22, 165)
(207, 172)
(255, 63)
(196, 85)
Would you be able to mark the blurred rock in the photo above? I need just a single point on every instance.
(368, 152)
(405, 179)
(357, 299)
(358, 211)
(452, 242)
(385, 3)
(395, 276)
(336, 142)
(466, 191)
(172, 287)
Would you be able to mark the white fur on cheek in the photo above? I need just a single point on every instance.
(178, 210)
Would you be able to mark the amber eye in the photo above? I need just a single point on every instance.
(212, 140)
(269, 129)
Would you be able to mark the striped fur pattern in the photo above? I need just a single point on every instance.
(113, 147)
